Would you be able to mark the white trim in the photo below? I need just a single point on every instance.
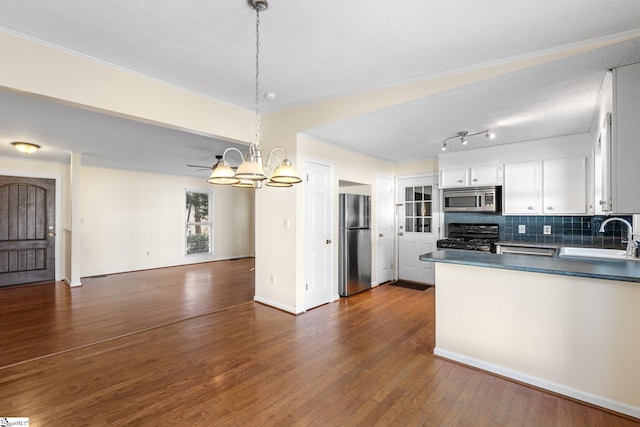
(72, 285)
(541, 383)
(277, 305)
(58, 215)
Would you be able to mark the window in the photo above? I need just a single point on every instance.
(198, 222)
(417, 203)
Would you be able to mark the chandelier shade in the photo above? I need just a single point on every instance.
(223, 174)
(245, 183)
(278, 184)
(285, 173)
(251, 170)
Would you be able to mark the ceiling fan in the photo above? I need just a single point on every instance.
(202, 168)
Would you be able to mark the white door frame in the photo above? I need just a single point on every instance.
(388, 233)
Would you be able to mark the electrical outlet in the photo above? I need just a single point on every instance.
(546, 229)
(522, 229)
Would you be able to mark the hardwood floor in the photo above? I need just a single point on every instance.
(158, 348)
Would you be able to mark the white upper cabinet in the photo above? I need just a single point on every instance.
(522, 188)
(550, 187)
(625, 142)
(478, 176)
(564, 186)
(486, 175)
(452, 178)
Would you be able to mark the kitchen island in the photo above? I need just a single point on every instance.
(571, 326)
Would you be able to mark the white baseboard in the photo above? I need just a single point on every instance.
(70, 284)
(276, 305)
(601, 401)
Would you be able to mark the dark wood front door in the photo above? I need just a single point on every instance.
(27, 230)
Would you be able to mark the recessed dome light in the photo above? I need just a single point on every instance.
(25, 147)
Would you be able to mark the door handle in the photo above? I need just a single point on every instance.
(401, 234)
(52, 234)
(381, 235)
(328, 241)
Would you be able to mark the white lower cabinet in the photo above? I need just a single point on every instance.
(550, 187)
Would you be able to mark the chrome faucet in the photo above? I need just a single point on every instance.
(632, 245)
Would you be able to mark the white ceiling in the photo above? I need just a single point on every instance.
(316, 50)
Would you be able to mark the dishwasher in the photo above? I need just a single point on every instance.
(547, 251)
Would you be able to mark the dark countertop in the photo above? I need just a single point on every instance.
(627, 271)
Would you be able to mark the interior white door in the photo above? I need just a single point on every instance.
(418, 227)
(318, 232)
(385, 228)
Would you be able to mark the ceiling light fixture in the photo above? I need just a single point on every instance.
(253, 171)
(25, 147)
(463, 135)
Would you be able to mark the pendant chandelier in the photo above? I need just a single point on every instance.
(253, 172)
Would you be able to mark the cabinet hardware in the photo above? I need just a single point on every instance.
(328, 241)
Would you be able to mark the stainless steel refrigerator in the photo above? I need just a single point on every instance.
(354, 244)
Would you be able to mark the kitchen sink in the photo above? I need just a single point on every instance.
(601, 253)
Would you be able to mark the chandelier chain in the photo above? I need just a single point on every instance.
(257, 75)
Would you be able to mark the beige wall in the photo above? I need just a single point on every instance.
(76, 79)
(572, 335)
(126, 214)
(422, 167)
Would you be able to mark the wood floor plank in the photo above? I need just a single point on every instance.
(365, 360)
(44, 319)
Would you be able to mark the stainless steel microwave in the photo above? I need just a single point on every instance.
(484, 199)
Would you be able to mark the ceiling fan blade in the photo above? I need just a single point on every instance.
(201, 167)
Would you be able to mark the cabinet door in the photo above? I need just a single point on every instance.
(522, 188)
(625, 143)
(602, 168)
(451, 178)
(564, 184)
(486, 175)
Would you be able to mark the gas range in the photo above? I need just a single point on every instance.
(473, 237)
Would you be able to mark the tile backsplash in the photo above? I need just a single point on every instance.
(582, 230)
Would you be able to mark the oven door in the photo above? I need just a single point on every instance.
(461, 201)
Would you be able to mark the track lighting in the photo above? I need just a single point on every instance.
(463, 134)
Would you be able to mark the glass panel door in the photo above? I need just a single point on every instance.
(418, 209)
